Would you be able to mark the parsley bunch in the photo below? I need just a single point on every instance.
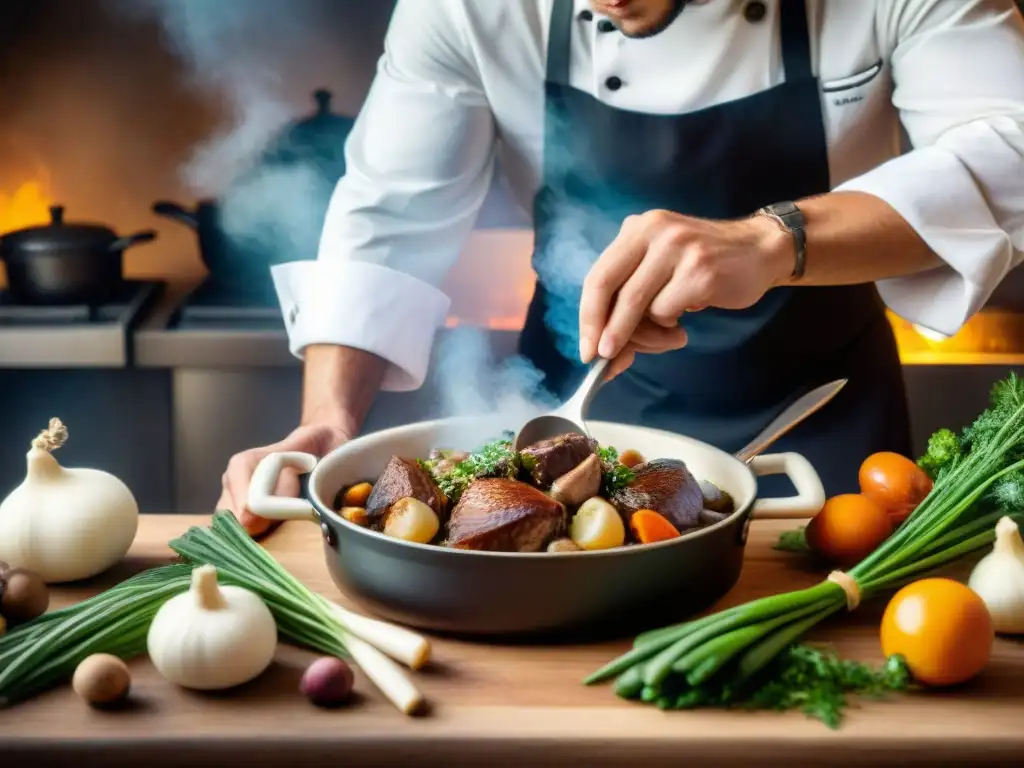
(817, 682)
(979, 478)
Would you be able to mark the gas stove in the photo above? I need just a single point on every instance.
(77, 335)
(219, 305)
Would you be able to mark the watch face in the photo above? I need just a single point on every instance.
(784, 209)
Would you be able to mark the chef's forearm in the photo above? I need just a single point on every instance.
(339, 385)
(852, 237)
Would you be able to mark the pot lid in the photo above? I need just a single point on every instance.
(58, 234)
(317, 140)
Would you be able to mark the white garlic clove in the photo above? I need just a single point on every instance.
(212, 637)
(998, 579)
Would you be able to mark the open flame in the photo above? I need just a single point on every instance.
(27, 206)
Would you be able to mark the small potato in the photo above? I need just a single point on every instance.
(357, 495)
(563, 545)
(355, 515)
(631, 458)
(412, 520)
(597, 525)
(102, 679)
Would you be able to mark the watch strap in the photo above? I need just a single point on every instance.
(789, 216)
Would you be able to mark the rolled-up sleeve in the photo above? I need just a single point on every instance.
(419, 163)
(958, 66)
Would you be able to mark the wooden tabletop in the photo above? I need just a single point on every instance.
(496, 705)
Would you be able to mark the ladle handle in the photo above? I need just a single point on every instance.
(803, 407)
(580, 401)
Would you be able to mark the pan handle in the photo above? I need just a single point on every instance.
(810, 493)
(128, 241)
(176, 212)
(262, 500)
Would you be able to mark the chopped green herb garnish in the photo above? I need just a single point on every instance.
(495, 459)
(614, 476)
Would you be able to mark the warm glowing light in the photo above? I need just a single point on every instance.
(928, 333)
(27, 206)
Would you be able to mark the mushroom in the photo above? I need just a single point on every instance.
(579, 484)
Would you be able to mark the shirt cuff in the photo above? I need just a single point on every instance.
(364, 306)
(938, 196)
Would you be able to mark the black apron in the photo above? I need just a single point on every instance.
(740, 368)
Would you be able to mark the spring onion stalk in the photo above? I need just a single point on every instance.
(226, 546)
(719, 659)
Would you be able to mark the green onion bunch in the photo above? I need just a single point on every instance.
(720, 659)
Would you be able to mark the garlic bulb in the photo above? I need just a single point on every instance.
(65, 524)
(212, 637)
(998, 579)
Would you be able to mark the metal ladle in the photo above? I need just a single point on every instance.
(568, 418)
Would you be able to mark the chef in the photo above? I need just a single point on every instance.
(719, 204)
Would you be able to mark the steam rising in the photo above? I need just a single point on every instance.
(244, 52)
(470, 382)
(237, 51)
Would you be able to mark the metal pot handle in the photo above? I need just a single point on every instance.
(262, 500)
(810, 493)
(128, 241)
(176, 212)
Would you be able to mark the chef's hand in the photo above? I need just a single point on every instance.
(663, 264)
(316, 439)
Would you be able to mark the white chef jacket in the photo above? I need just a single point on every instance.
(460, 86)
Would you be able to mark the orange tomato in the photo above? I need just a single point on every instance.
(942, 628)
(894, 483)
(848, 529)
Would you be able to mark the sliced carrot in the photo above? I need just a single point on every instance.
(631, 458)
(648, 527)
(357, 495)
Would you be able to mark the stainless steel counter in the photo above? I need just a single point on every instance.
(75, 337)
(156, 345)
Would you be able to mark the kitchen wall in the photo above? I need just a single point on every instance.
(105, 110)
(110, 105)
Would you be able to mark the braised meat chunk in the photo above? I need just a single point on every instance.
(546, 461)
(501, 515)
(667, 487)
(403, 478)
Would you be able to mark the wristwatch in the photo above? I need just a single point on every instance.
(788, 216)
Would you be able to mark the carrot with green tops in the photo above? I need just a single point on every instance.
(648, 527)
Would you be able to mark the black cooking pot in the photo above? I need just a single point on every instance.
(467, 592)
(60, 263)
(238, 263)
